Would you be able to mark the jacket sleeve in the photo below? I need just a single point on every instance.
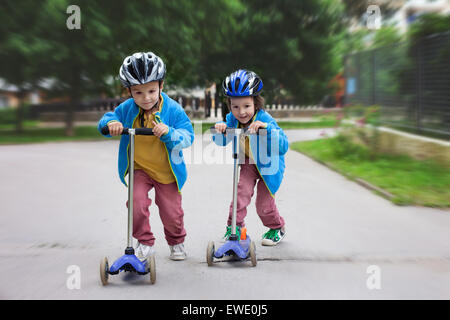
(275, 132)
(116, 115)
(181, 134)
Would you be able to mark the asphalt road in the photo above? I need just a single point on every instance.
(63, 209)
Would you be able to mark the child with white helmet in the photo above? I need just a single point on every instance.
(158, 159)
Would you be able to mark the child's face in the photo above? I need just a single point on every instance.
(146, 95)
(243, 109)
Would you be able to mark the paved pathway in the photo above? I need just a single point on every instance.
(63, 209)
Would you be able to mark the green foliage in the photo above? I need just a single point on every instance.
(344, 148)
(291, 44)
(429, 24)
(367, 135)
(7, 116)
(386, 35)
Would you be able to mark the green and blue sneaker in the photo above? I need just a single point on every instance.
(273, 237)
(227, 234)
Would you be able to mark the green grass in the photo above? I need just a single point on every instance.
(286, 125)
(37, 135)
(25, 124)
(410, 181)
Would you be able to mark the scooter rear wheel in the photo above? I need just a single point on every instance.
(104, 267)
(152, 268)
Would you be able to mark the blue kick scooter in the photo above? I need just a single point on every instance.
(129, 262)
(241, 247)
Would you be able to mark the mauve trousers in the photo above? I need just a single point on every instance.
(265, 203)
(168, 200)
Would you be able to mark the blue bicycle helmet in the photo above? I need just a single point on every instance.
(242, 83)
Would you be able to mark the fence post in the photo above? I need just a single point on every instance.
(208, 104)
(373, 78)
(419, 82)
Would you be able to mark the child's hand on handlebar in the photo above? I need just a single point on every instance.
(255, 126)
(115, 128)
(160, 129)
(220, 127)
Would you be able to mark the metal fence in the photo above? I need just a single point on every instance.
(409, 81)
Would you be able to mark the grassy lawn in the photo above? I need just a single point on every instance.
(325, 123)
(410, 181)
(36, 135)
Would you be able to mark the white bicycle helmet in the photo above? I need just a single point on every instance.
(140, 68)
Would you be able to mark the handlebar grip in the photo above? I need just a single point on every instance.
(138, 131)
(105, 130)
(143, 132)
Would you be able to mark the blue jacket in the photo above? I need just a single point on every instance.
(180, 135)
(266, 150)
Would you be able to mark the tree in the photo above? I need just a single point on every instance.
(20, 49)
(290, 44)
(386, 35)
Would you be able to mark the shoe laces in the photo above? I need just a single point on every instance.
(228, 232)
(272, 234)
(178, 247)
(144, 250)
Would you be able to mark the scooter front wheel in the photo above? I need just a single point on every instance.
(104, 268)
(209, 253)
(253, 253)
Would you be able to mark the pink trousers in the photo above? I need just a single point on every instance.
(265, 203)
(168, 200)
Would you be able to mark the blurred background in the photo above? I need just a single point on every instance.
(362, 87)
(63, 57)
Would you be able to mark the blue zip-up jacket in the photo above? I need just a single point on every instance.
(267, 150)
(180, 135)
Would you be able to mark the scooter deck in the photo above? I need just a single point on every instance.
(240, 248)
(129, 262)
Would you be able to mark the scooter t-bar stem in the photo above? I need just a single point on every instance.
(131, 132)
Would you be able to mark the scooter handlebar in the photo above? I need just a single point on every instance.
(245, 130)
(138, 131)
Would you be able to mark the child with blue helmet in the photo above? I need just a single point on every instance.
(263, 164)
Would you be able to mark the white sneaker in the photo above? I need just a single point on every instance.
(177, 252)
(143, 251)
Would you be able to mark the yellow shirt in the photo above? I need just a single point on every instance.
(150, 153)
(244, 144)
(244, 141)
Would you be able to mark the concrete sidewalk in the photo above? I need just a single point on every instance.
(63, 206)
